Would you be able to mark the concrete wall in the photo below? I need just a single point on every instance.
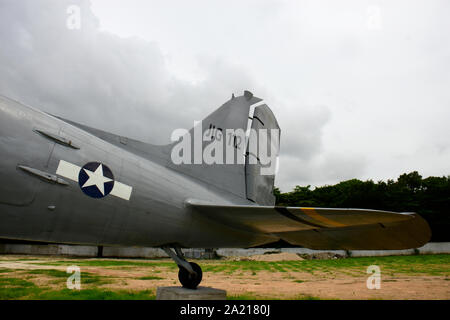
(429, 248)
(49, 249)
(232, 252)
(435, 248)
(135, 252)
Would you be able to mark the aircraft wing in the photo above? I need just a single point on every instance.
(324, 228)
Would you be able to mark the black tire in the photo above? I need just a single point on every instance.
(188, 280)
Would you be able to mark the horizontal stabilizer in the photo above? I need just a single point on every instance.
(324, 228)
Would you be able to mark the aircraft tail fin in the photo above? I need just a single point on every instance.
(221, 150)
(216, 150)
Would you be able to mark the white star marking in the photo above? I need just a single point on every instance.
(96, 178)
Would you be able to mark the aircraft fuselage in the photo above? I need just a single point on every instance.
(34, 206)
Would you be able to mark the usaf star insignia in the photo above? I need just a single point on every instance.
(95, 179)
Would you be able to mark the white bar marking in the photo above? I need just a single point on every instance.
(121, 190)
(68, 170)
(71, 171)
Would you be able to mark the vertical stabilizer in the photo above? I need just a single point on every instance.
(217, 147)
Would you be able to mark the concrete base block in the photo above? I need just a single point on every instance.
(180, 293)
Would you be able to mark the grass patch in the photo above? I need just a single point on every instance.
(150, 278)
(11, 287)
(35, 293)
(94, 294)
(49, 272)
(109, 263)
(86, 277)
(89, 278)
(18, 292)
(306, 297)
(14, 288)
(420, 264)
(249, 296)
(15, 282)
(7, 270)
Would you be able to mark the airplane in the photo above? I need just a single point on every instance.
(67, 183)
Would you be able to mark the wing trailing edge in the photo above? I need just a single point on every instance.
(324, 228)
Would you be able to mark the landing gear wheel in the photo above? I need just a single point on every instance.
(190, 281)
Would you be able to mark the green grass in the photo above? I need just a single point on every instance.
(418, 264)
(89, 278)
(15, 282)
(14, 293)
(251, 296)
(94, 294)
(35, 293)
(150, 278)
(11, 287)
(109, 263)
(14, 288)
(7, 270)
(306, 297)
(86, 277)
(437, 265)
(248, 296)
(49, 272)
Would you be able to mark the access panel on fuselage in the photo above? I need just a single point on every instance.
(21, 146)
(86, 205)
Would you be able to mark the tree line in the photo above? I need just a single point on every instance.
(429, 197)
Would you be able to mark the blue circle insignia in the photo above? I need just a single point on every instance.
(96, 180)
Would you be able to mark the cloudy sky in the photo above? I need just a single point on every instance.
(361, 89)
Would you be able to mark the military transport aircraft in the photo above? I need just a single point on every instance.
(64, 182)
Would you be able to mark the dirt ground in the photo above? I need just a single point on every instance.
(262, 284)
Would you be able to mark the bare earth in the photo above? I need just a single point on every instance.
(261, 284)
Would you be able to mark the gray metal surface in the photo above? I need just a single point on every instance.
(325, 228)
(148, 205)
(260, 187)
(230, 178)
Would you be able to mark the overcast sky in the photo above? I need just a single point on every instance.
(361, 89)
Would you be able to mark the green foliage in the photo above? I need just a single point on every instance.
(430, 197)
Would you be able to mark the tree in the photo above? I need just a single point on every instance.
(429, 197)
